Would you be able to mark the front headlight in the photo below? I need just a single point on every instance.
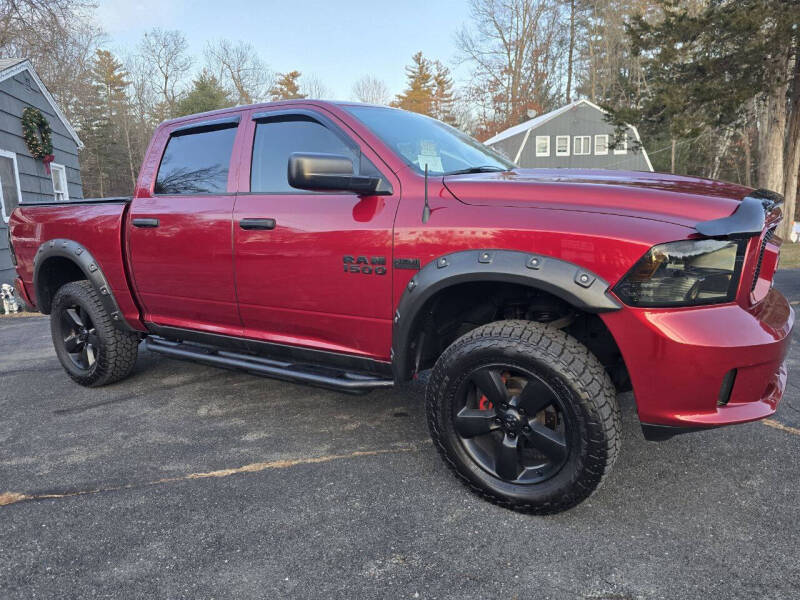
(685, 273)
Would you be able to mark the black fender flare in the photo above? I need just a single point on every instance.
(80, 256)
(577, 286)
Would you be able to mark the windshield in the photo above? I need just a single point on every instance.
(421, 140)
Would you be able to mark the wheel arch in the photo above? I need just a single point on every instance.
(576, 286)
(60, 261)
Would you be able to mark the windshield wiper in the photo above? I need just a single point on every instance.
(481, 169)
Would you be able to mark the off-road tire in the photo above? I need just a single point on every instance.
(116, 350)
(571, 371)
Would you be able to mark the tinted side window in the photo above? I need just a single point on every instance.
(196, 162)
(276, 139)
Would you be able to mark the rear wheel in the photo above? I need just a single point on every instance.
(525, 415)
(92, 351)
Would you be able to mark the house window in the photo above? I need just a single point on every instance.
(562, 145)
(542, 145)
(59, 176)
(621, 146)
(601, 144)
(583, 145)
(9, 184)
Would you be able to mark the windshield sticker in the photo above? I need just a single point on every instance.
(429, 155)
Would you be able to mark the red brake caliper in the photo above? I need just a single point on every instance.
(484, 403)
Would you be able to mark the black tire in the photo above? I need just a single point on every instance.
(92, 351)
(542, 460)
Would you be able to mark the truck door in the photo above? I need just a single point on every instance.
(312, 269)
(179, 236)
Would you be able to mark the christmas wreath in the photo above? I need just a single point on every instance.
(36, 132)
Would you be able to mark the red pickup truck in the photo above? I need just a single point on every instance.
(353, 247)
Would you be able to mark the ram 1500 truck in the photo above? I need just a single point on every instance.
(353, 247)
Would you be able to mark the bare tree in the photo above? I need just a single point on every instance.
(606, 70)
(28, 23)
(371, 90)
(312, 86)
(240, 69)
(515, 48)
(59, 38)
(166, 53)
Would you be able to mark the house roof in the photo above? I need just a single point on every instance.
(542, 119)
(538, 121)
(11, 66)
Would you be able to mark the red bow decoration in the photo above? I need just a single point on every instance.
(47, 160)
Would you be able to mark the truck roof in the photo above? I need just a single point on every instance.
(242, 107)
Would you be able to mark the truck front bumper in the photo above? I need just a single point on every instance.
(701, 367)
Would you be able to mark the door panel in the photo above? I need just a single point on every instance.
(321, 277)
(183, 268)
(293, 284)
(180, 242)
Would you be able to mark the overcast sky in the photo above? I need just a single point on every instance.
(337, 40)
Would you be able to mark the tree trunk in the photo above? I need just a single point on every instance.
(571, 49)
(672, 157)
(748, 158)
(792, 155)
(127, 128)
(771, 132)
(719, 154)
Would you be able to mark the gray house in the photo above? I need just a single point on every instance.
(577, 136)
(23, 178)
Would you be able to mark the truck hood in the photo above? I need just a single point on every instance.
(670, 198)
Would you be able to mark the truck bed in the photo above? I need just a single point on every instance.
(96, 224)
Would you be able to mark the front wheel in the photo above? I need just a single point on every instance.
(525, 415)
(92, 351)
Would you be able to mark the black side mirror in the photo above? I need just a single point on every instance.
(329, 172)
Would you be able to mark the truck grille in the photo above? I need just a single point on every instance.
(767, 237)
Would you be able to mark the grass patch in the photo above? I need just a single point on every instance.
(790, 256)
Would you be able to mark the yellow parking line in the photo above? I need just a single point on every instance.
(14, 497)
(777, 425)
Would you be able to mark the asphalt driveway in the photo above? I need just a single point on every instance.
(186, 481)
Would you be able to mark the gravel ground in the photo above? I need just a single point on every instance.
(190, 482)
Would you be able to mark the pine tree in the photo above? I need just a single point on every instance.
(287, 87)
(206, 94)
(443, 95)
(707, 66)
(103, 129)
(420, 89)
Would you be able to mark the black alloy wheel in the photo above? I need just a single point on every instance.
(79, 335)
(513, 424)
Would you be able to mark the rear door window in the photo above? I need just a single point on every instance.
(197, 161)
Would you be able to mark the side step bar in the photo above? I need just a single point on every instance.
(335, 379)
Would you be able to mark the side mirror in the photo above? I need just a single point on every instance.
(329, 172)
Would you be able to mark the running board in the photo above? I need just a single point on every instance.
(327, 377)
